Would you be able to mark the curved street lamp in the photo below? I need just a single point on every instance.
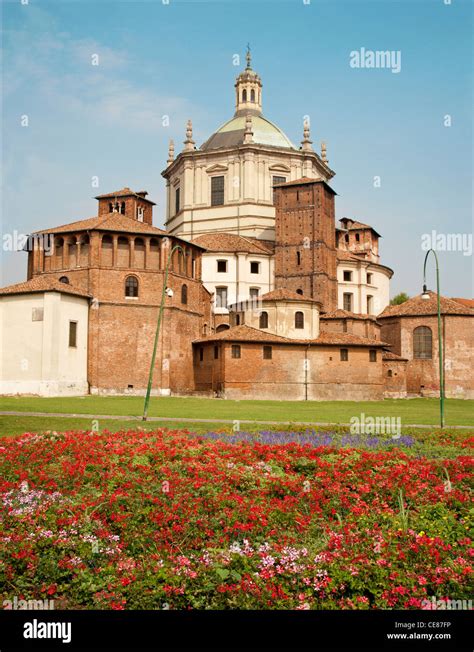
(165, 292)
(425, 296)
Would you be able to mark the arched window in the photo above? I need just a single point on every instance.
(422, 343)
(63, 279)
(263, 320)
(84, 255)
(123, 252)
(131, 286)
(72, 253)
(252, 96)
(299, 320)
(139, 253)
(184, 293)
(244, 95)
(154, 261)
(58, 252)
(389, 373)
(181, 265)
(122, 208)
(107, 251)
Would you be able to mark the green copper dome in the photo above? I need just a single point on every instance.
(231, 134)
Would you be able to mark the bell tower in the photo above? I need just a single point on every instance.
(248, 90)
(305, 247)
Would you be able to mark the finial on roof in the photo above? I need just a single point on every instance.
(324, 157)
(248, 134)
(306, 142)
(248, 56)
(189, 142)
(170, 152)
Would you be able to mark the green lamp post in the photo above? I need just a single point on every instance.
(164, 293)
(425, 295)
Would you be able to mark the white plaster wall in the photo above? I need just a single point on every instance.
(36, 357)
(238, 277)
(379, 288)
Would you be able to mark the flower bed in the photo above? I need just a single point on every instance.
(153, 520)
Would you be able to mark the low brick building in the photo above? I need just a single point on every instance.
(245, 362)
(411, 329)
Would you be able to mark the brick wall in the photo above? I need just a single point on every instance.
(294, 372)
(423, 375)
(305, 232)
(395, 378)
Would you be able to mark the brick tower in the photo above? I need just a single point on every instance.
(305, 248)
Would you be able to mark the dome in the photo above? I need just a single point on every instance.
(231, 134)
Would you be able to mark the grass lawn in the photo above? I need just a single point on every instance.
(411, 411)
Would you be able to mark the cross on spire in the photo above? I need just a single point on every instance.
(248, 56)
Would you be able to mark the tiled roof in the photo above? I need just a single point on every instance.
(282, 294)
(354, 224)
(346, 255)
(112, 222)
(126, 192)
(248, 334)
(357, 226)
(388, 355)
(231, 243)
(43, 283)
(416, 306)
(345, 314)
(465, 302)
(108, 222)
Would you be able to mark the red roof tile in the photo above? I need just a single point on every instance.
(345, 314)
(43, 284)
(416, 306)
(232, 243)
(388, 355)
(282, 294)
(346, 255)
(126, 192)
(248, 334)
(114, 222)
(465, 302)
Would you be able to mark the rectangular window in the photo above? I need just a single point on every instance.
(254, 267)
(347, 301)
(236, 350)
(37, 314)
(267, 352)
(373, 355)
(348, 276)
(217, 191)
(176, 202)
(222, 266)
(216, 352)
(254, 292)
(344, 355)
(73, 333)
(201, 354)
(369, 279)
(369, 305)
(221, 297)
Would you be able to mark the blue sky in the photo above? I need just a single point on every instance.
(176, 59)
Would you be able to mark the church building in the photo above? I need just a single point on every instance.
(264, 295)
